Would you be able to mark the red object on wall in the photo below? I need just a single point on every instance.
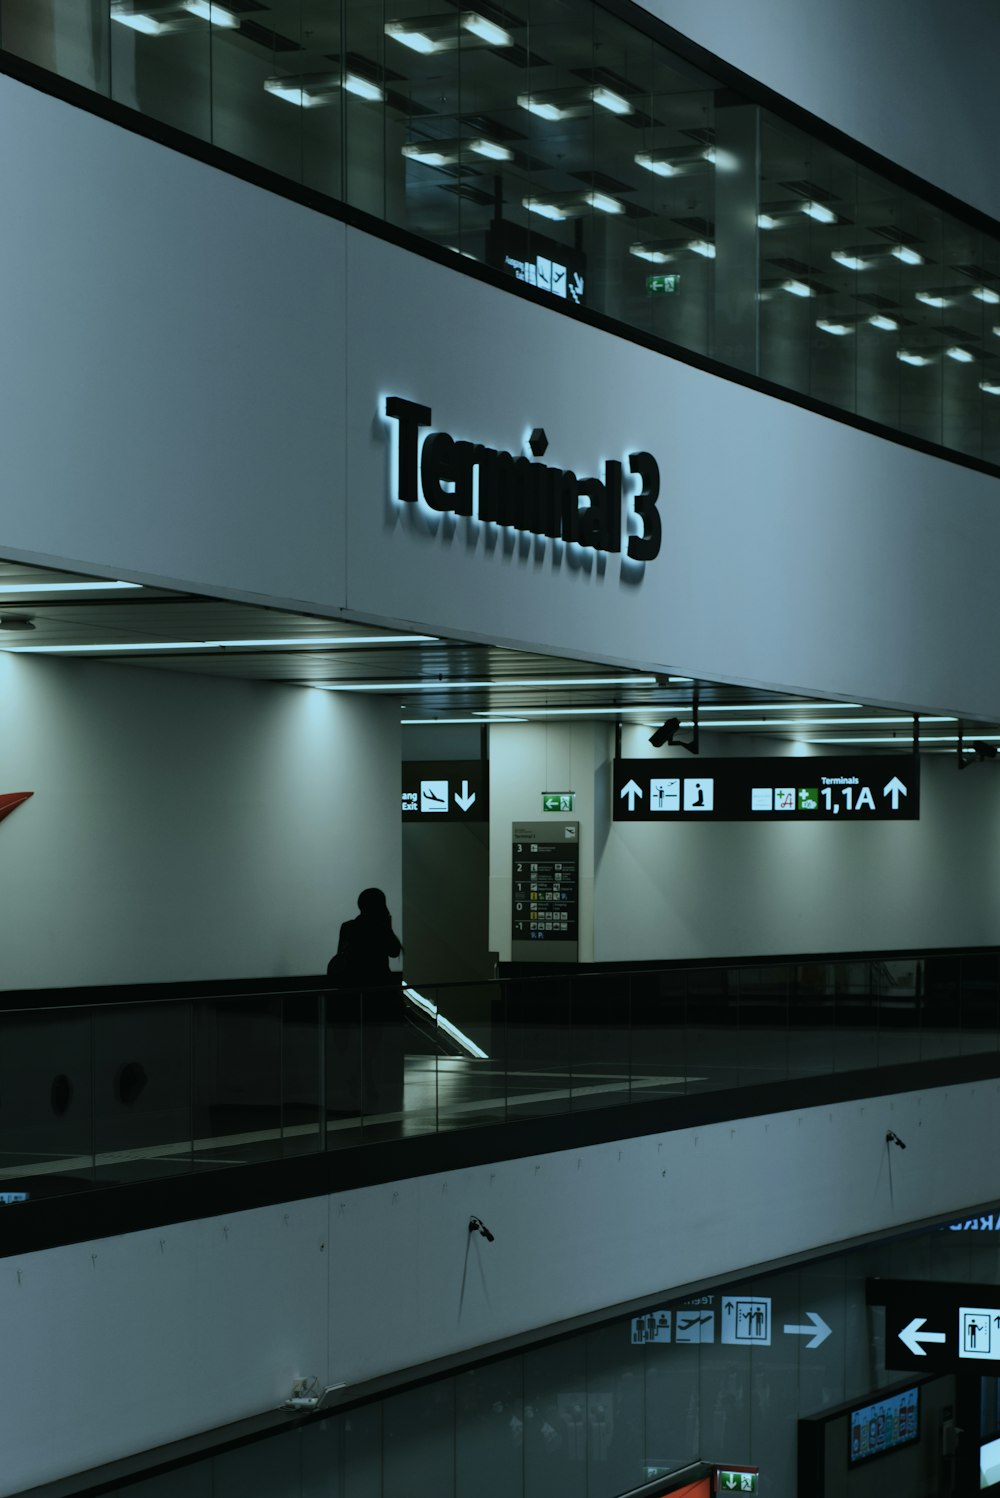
(12, 799)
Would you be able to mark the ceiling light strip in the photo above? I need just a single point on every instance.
(139, 647)
(476, 686)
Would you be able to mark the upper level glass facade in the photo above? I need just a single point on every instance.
(560, 145)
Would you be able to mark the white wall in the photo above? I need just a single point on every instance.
(741, 888)
(525, 760)
(186, 827)
(672, 890)
(911, 79)
(149, 1336)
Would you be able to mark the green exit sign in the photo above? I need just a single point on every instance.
(662, 285)
(557, 800)
(737, 1482)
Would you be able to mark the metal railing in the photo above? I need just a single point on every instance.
(116, 1092)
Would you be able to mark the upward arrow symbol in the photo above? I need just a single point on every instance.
(895, 789)
(631, 790)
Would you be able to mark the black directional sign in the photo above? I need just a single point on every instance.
(939, 1328)
(869, 788)
(446, 790)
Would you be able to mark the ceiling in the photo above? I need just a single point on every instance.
(72, 616)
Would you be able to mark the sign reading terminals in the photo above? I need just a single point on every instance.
(545, 892)
(872, 788)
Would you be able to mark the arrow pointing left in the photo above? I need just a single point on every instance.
(818, 1331)
(467, 797)
(911, 1336)
(631, 790)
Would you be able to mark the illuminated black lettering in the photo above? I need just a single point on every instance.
(647, 546)
(411, 418)
(437, 468)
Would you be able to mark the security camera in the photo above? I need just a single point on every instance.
(475, 1226)
(892, 1138)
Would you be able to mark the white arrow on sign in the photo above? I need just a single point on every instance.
(631, 790)
(911, 1336)
(818, 1331)
(467, 797)
(895, 789)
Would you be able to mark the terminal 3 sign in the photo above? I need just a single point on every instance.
(872, 788)
(459, 477)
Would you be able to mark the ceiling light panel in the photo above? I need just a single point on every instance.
(430, 34)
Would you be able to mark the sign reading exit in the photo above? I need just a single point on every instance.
(872, 788)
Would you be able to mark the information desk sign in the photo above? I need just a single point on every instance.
(939, 1327)
(545, 886)
(446, 790)
(786, 788)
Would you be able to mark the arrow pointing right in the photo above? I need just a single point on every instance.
(895, 789)
(911, 1336)
(631, 790)
(818, 1331)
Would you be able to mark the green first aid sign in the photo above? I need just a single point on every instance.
(557, 800)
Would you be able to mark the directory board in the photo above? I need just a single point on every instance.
(545, 891)
(781, 788)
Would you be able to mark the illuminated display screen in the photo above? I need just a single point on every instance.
(989, 1464)
(885, 1425)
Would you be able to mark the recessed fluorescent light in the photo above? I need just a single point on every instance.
(429, 153)
(987, 294)
(703, 247)
(608, 99)
(723, 161)
(606, 204)
(769, 707)
(837, 328)
(651, 253)
(896, 738)
(487, 31)
(493, 718)
(412, 37)
(907, 255)
(849, 261)
(6, 588)
(543, 108)
(620, 711)
(146, 25)
(797, 288)
(572, 103)
(907, 356)
(657, 163)
(767, 221)
(820, 213)
(292, 643)
(932, 299)
(218, 15)
(960, 355)
(363, 88)
(306, 90)
(887, 324)
(490, 149)
(989, 387)
(499, 683)
(544, 209)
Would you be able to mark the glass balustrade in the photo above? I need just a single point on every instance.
(565, 148)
